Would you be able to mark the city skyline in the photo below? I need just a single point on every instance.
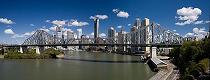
(22, 18)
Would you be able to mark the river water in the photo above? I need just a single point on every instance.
(76, 66)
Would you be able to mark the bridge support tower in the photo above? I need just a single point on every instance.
(153, 52)
(39, 49)
(21, 50)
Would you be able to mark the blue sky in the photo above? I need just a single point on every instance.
(29, 15)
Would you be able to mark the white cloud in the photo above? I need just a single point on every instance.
(66, 30)
(91, 35)
(183, 23)
(32, 25)
(129, 24)
(53, 28)
(79, 30)
(174, 30)
(99, 16)
(176, 33)
(102, 35)
(77, 23)
(29, 33)
(207, 21)
(188, 15)
(47, 21)
(200, 33)
(115, 10)
(189, 35)
(44, 29)
(199, 22)
(59, 22)
(9, 31)
(120, 13)
(119, 26)
(123, 14)
(18, 36)
(6, 21)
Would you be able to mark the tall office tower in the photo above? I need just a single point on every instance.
(121, 40)
(137, 23)
(133, 34)
(96, 27)
(79, 33)
(70, 35)
(133, 38)
(112, 38)
(145, 35)
(111, 33)
(138, 33)
(144, 31)
(59, 31)
(59, 34)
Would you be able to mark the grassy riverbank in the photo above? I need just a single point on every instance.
(31, 54)
(27, 56)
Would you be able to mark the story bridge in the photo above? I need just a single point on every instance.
(156, 36)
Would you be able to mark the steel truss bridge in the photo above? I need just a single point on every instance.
(157, 36)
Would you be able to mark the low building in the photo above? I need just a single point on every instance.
(157, 64)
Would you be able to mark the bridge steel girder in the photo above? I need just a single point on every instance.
(157, 36)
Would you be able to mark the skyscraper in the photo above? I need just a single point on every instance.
(111, 38)
(121, 40)
(96, 27)
(59, 31)
(138, 31)
(137, 23)
(133, 38)
(111, 32)
(144, 31)
(79, 33)
(59, 34)
(144, 35)
(70, 35)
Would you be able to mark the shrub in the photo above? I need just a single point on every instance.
(52, 52)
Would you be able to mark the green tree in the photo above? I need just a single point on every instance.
(52, 52)
(192, 58)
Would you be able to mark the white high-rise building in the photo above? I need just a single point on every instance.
(79, 33)
(144, 34)
(134, 37)
(112, 38)
(121, 39)
(59, 31)
(59, 35)
(70, 35)
(111, 34)
(144, 31)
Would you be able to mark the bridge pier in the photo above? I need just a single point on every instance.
(39, 49)
(21, 50)
(154, 52)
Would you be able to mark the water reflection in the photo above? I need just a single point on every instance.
(76, 66)
(104, 61)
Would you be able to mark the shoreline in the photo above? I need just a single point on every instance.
(166, 74)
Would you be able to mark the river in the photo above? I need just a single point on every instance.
(76, 66)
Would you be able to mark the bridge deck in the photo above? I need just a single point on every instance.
(133, 45)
